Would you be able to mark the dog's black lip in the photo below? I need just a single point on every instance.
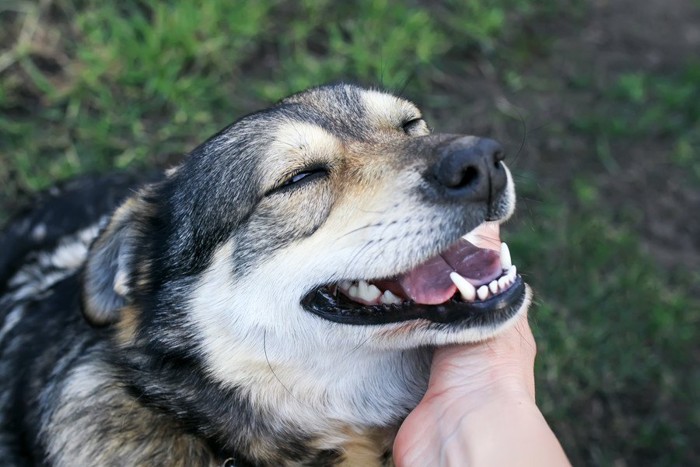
(501, 307)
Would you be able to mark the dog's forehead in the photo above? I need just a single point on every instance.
(350, 106)
(315, 126)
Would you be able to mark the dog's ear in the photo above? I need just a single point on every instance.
(110, 267)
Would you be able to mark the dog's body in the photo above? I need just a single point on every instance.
(225, 313)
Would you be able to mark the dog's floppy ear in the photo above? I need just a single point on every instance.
(109, 267)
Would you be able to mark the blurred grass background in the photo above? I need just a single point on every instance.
(598, 103)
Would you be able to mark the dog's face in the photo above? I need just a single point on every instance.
(332, 221)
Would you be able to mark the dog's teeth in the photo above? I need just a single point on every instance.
(512, 272)
(506, 261)
(344, 285)
(493, 286)
(389, 298)
(465, 288)
(373, 292)
(368, 292)
(503, 283)
(361, 289)
(353, 291)
(482, 292)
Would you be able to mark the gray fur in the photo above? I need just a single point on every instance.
(196, 349)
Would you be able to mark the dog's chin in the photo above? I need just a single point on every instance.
(436, 292)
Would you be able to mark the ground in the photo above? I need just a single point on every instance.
(597, 102)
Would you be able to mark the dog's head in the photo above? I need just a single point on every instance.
(336, 218)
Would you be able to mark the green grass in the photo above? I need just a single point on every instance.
(614, 336)
(659, 105)
(644, 105)
(93, 86)
(101, 85)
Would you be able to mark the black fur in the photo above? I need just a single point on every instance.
(133, 383)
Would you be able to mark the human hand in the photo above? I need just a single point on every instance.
(480, 408)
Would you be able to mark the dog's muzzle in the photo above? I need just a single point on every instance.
(472, 282)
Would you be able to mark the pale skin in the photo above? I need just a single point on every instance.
(480, 409)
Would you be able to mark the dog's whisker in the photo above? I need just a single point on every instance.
(374, 242)
(364, 227)
(360, 345)
(368, 211)
(384, 251)
(407, 81)
(269, 365)
(360, 251)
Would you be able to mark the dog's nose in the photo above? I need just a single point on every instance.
(470, 168)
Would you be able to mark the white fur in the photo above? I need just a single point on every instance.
(250, 341)
(387, 111)
(509, 197)
(252, 326)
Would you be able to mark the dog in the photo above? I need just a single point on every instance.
(275, 299)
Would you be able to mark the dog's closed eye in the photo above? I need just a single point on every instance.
(301, 178)
(302, 175)
(415, 127)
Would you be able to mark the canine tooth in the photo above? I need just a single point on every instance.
(493, 286)
(512, 272)
(482, 292)
(465, 288)
(506, 261)
(344, 285)
(353, 291)
(389, 298)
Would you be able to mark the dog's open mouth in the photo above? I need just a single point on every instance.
(473, 279)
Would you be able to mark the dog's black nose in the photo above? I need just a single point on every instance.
(470, 168)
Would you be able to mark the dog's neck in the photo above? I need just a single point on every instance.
(366, 448)
(343, 405)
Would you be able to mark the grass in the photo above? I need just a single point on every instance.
(614, 337)
(113, 85)
(661, 106)
(93, 86)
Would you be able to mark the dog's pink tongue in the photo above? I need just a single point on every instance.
(430, 283)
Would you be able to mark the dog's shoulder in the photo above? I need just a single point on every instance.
(60, 382)
(94, 406)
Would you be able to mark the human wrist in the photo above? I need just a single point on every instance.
(467, 401)
(479, 408)
(472, 386)
(501, 432)
(465, 428)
